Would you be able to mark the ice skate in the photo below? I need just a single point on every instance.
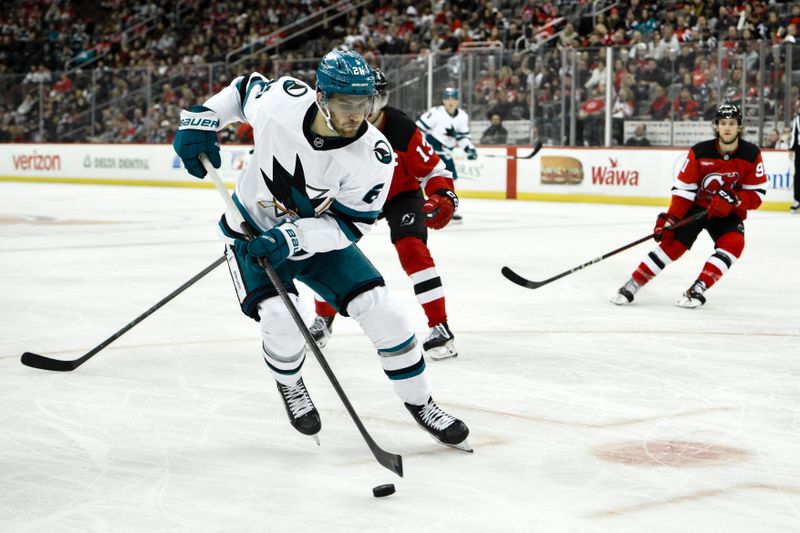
(321, 329)
(439, 343)
(443, 427)
(625, 293)
(693, 297)
(303, 416)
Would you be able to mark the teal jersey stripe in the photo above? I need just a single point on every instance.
(424, 124)
(347, 230)
(415, 372)
(399, 347)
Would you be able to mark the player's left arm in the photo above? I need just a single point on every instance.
(754, 185)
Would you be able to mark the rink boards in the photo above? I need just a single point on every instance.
(640, 176)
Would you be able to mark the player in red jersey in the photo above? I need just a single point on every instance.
(409, 216)
(724, 175)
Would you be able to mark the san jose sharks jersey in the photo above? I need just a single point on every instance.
(449, 130)
(331, 188)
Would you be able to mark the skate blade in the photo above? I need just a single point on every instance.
(447, 351)
(688, 303)
(315, 438)
(619, 299)
(463, 445)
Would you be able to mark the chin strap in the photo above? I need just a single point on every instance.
(326, 114)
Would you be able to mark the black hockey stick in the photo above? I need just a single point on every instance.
(390, 461)
(43, 362)
(519, 280)
(536, 148)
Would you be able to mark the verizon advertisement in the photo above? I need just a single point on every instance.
(108, 162)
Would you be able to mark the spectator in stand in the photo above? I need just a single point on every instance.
(686, 107)
(773, 136)
(710, 107)
(591, 115)
(621, 110)
(661, 106)
(639, 136)
(651, 73)
(495, 133)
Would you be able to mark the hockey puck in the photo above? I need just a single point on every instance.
(383, 490)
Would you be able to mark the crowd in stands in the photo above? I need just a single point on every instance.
(114, 71)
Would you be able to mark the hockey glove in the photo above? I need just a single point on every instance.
(722, 203)
(439, 208)
(197, 134)
(276, 245)
(662, 232)
(472, 153)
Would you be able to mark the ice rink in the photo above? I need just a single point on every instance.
(584, 416)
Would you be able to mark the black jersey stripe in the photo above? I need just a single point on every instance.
(427, 285)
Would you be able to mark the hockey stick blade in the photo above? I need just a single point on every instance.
(42, 362)
(34, 360)
(519, 280)
(530, 284)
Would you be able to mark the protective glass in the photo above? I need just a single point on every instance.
(343, 104)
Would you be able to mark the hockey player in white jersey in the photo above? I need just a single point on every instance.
(317, 181)
(447, 127)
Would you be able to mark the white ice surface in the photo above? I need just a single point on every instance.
(177, 426)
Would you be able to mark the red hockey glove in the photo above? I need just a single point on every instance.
(439, 208)
(661, 232)
(722, 203)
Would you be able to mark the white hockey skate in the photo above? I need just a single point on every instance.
(439, 343)
(303, 415)
(444, 428)
(321, 329)
(693, 297)
(625, 293)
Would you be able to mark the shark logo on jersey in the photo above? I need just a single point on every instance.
(290, 192)
(294, 88)
(383, 152)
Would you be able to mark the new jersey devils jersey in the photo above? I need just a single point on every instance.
(416, 163)
(706, 170)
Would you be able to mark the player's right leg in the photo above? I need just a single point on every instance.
(282, 345)
(347, 279)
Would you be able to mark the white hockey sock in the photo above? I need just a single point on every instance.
(282, 345)
(383, 320)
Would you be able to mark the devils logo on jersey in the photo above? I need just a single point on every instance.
(711, 183)
(290, 191)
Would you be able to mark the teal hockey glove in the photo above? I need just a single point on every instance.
(197, 134)
(472, 153)
(277, 244)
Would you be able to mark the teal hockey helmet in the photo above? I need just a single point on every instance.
(450, 92)
(345, 72)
